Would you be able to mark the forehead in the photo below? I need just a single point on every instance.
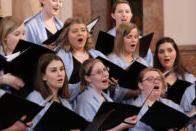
(133, 31)
(98, 65)
(166, 45)
(152, 74)
(77, 25)
(122, 6)
(55, 63)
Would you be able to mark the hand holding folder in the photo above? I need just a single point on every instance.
(160, 116)
(13, 108)
(24, 64)
(61, 118)
(119, 112)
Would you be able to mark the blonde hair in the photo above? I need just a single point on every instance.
(8, 25)
(63, 40)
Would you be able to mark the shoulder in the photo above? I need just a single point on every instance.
(58, 21)
(171, 104)
(36, 97)
(190, 77)
(96, 53)
(190, 91)
(33, 19)
(142, 61)
(63, 54)
(112, 31)
(112, 56)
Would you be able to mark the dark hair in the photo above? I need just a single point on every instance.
(178, 67)
(85, 70)
(117, 2)
(40, 84)
(63, 40)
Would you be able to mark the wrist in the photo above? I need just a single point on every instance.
(1, 80)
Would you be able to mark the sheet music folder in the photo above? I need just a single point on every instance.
(145, 44)
(60, 118)
(126, 78)
(14, 107)
(176, 91)
(24, 64)
(91, 25)
(119, 113)
(160, 116)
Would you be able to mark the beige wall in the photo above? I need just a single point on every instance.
(26, 8)
(180, 21)
(5, 7)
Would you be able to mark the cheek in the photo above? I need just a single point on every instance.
(12, 41)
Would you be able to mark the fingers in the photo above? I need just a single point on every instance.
(131, 120)
(13, 81)
(113, 81)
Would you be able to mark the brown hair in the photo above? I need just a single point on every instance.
(117, 2)
(85, 70)
(122, 31)
(143, 72)
(63, 40)
(40, 85)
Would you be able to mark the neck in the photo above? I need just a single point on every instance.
(47, 17)
(79, 51)
(128, 57)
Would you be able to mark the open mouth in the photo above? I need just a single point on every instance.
(166, 60)
(80, 40)
(60, 80)
(156, 87)
(133, 45)
(105, 81)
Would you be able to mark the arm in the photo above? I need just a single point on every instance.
(11, 80)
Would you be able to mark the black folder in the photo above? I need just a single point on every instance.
(126, 78)
(105, 43)
(91, 25)
(176, 91)
(193, 102)
(60, 118)
(162, 117)
(145, 44)
(98, 121)
(24, 64)
(119, 112)
(14, 107)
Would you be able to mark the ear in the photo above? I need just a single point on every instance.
(113, 16)
(87, 78)
(140, 85)
(44, 77)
